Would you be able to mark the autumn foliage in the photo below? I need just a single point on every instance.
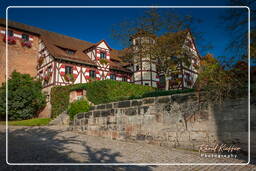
(220, 83)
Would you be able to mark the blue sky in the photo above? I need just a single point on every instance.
(94, 25)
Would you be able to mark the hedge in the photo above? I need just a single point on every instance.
(105, 91)
(97, 92)
(163, 93)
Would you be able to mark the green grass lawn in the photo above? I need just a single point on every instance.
(29, 122)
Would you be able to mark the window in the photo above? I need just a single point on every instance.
(70, 52)
(79, 94)
(174, 58)
(137, 42)
(188, 77)
(124, 79)
(49, 69)
(25, 37)
(137, 67)
(10, 33)
(68, 70)
(175, 76)
(102, 55)
(92, 74)
(113, 77)
(146, 84)
(162, 79)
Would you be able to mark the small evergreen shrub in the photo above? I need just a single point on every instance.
(78, 107)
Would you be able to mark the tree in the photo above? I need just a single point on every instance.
(158, 22)
(220, 83)
(170, 54)
(168, 30)
(236, 21)
(213, 79)
(25, 97)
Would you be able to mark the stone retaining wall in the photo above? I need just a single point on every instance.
(183, 121)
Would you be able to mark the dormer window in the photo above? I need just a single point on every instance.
(66, 50)
(25, 37)
(70, 52)
(102, 55)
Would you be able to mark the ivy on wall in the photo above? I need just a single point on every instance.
(105, 91)
(97, 92)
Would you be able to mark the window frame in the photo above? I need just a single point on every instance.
(104, 56)
(137, 67)
(113, 76)
(124, 79)
(10, 33)
(67, 71)
(26, 35)
(70, 52)
(92, 75)
(162, 79)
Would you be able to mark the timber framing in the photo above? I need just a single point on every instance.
(65, 60)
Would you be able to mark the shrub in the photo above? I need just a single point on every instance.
(77, 107)
(25, 98)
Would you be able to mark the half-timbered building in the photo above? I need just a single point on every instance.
(59, 60)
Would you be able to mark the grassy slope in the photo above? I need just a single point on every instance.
(29, 122)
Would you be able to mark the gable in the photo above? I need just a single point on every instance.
(192, 43)
(103, 45)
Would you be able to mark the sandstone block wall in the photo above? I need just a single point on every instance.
(184, 121)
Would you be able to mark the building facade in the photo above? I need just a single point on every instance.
(59, 60)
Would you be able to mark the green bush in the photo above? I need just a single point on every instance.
(25, 97)
(77, 107)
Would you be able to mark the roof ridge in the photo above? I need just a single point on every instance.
(39, 31)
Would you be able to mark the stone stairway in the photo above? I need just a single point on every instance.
(61, 120)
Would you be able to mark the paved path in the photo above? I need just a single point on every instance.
(55, 145)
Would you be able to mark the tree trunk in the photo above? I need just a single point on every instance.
(166, 83)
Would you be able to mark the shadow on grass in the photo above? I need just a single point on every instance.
(42, 145)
